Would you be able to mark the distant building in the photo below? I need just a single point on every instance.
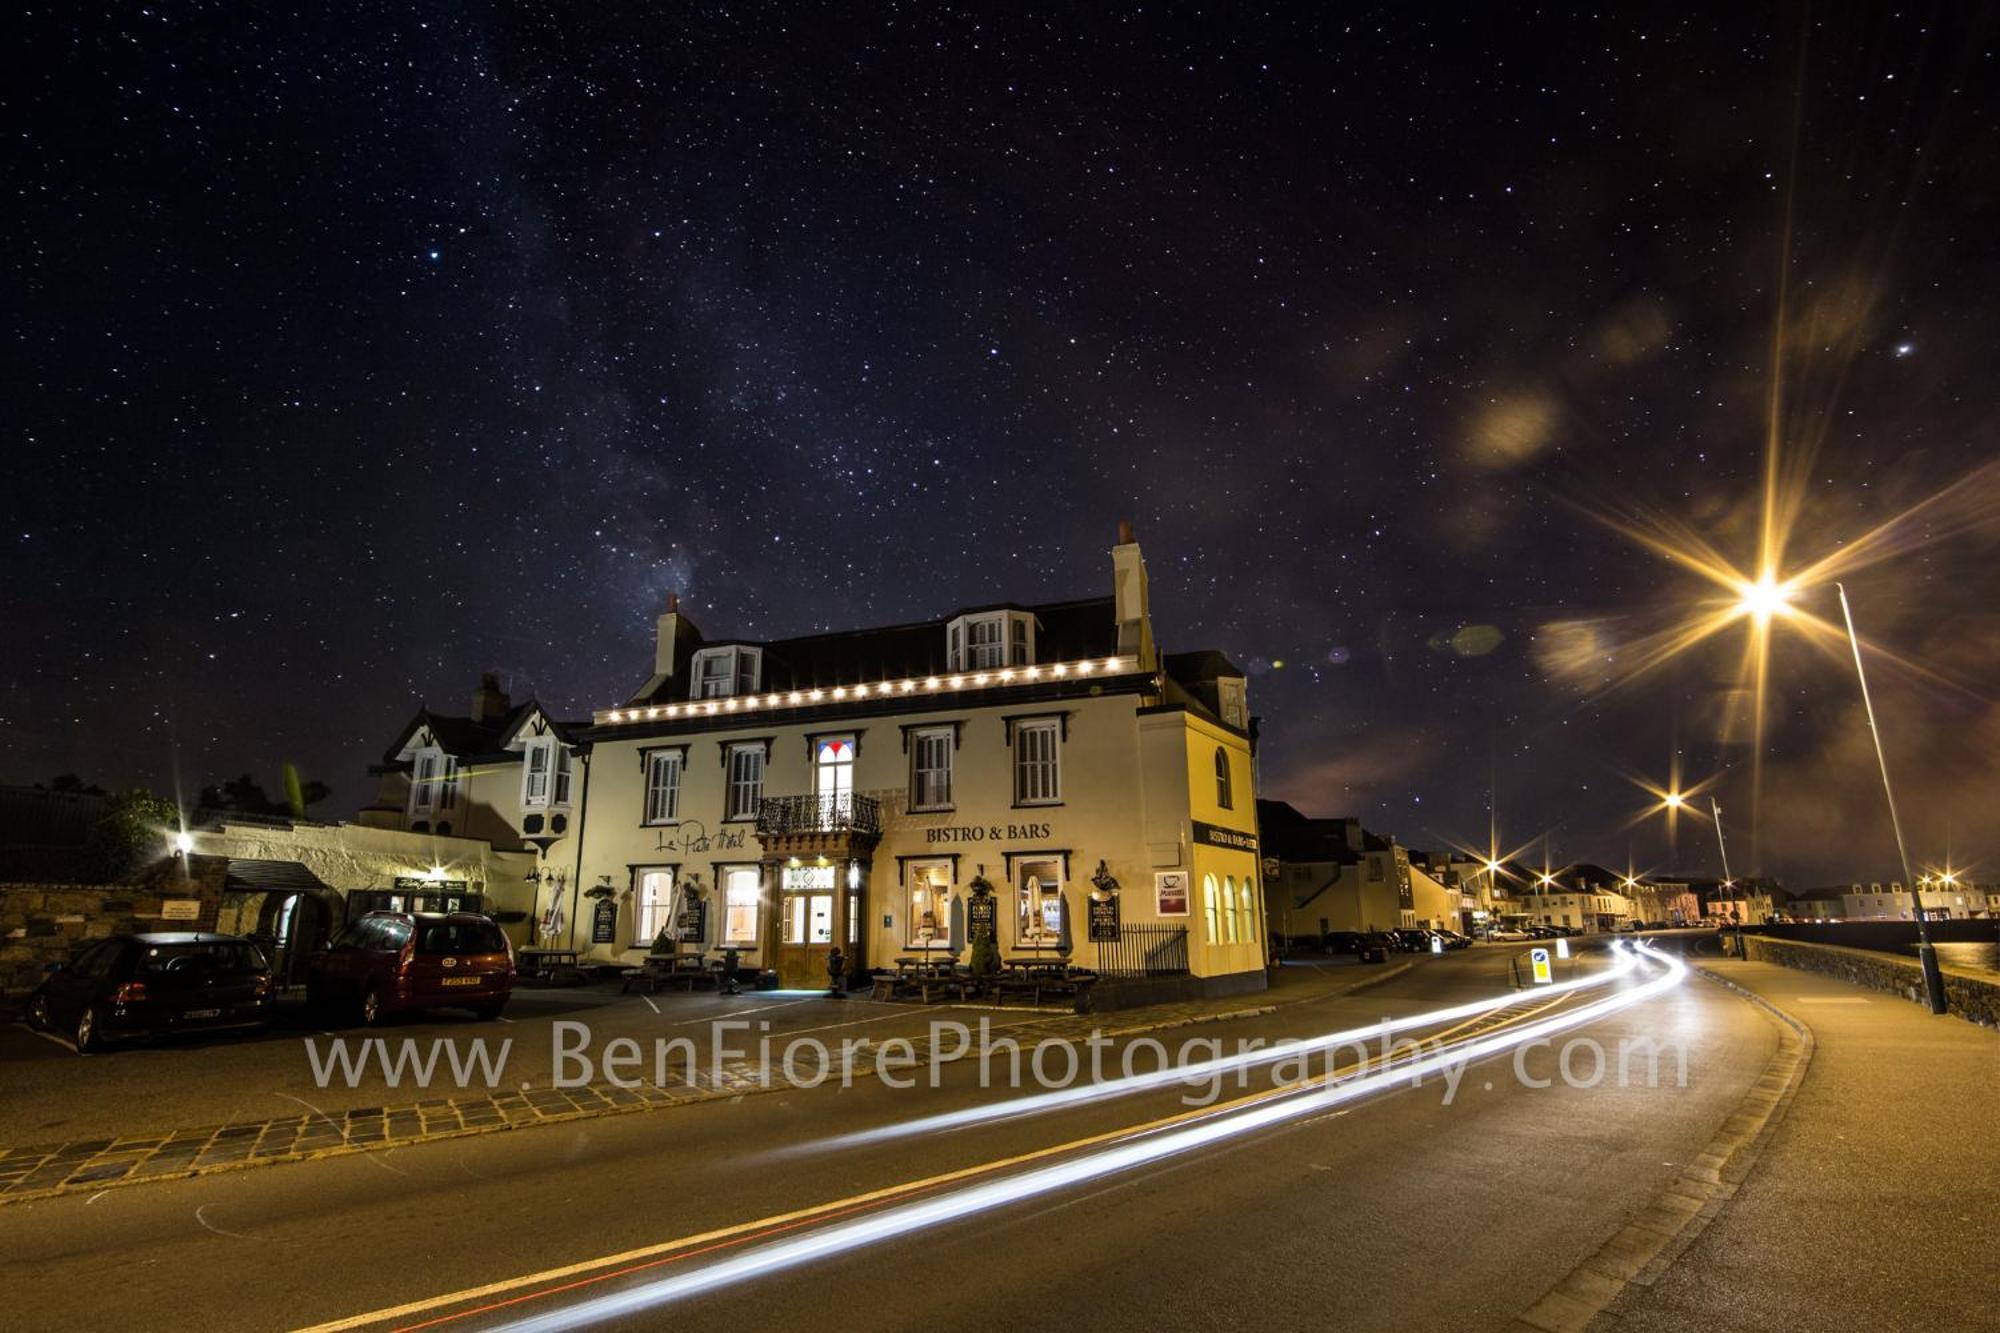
(1332, 874)
(1893, 902)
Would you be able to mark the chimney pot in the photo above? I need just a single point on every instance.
(1125, 537)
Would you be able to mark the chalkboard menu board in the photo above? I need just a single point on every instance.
(982, 916)
(1104, 918)
(604, 922)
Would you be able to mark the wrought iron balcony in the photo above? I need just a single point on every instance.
(841, 813)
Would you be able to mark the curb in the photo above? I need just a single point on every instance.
(1648, 1245)
(94, 1165)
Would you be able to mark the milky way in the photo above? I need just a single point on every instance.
(355, 350)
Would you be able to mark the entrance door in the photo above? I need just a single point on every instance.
(805, 935)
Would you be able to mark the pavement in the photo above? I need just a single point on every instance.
(1451, 1206)
(189, 1107)
(1872, 1202)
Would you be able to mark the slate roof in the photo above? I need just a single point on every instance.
(1067, 631)
(471, 740)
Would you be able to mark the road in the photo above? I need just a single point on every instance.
(1404, 1209)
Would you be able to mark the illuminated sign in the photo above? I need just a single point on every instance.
(1539, 958)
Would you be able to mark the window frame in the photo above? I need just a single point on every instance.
(424, 767)
(744, 673)
(641, 909)
(1052, 728)
(732, 810)
(540, 749)
(1225, 779)
(648, 818)
(1011, 644)
(724, 874)
(1046, 935)
(944, 738)
(912, 868)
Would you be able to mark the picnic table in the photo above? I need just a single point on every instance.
(1040, 974)
(673, 969)
(545, 962)
(923, 975)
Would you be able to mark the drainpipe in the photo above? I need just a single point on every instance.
(576, 876)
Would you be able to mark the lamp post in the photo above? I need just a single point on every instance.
(1728, 880)
(1926, 952)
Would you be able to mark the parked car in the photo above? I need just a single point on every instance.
(1453, 940)
(154, 984)
(1412, 939)
(1368, 947)
(388, 962)
(1508, 934)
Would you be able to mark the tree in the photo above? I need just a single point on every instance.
(134, 830)
(243, 795)
(71, 784)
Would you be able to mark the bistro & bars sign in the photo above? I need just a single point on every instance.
(1217, 836)
(985, 832)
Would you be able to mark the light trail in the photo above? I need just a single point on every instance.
(1202, 1071)
(908, 1218)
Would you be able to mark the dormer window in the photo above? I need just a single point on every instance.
(1229, 694)
(433, 782)
(720, 672)
(990, 639)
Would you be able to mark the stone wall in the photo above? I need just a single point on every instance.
(1970, 995)
(45, 923)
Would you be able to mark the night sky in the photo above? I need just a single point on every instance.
(355, 349)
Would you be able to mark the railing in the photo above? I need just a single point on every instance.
(1144, 951)
(846, 812)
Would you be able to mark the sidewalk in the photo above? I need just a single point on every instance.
(153, 1152)
(1872, 1204)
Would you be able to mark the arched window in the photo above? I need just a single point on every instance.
(1223, 794)
(1229, 910)
(1209, 907)
(1248, 902)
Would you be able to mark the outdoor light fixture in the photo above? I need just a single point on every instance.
(183, 842)
(846, 693)
(1763, 598)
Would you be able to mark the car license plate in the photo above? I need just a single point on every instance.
(203, 1013)
(462, 981)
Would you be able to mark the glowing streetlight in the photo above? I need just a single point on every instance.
(1764, 597)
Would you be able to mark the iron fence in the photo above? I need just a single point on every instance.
(1144, 951)
(834, 813)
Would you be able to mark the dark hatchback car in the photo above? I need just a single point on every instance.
(153, 985)
(386, 962)
(1367, 946)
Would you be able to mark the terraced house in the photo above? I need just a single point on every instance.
(1041, 770)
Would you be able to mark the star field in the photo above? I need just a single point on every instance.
(354, 350)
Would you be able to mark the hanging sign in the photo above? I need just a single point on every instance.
(604, 922)
(1170, 893)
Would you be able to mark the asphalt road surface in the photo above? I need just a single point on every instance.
(1407, 1208)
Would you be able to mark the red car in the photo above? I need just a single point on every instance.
(385, 962)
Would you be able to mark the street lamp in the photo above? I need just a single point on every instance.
(1767, 597)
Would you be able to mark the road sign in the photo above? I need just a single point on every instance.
(1562, 947)
(1540, 959)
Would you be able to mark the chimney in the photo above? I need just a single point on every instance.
(1134, 606)
(676, 641)
(489, 702)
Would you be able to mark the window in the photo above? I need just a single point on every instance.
(423, 789)
(663, 786)
(1038, 903)
(1223, 795)
(742, 903)
(990, 639)
(1246, 901)
(653, 897)
(930, 769)
(833, 778)
(1235, 711)
(1229, 910)
(928, 885)
(1209, 908)
(746, 781)
(565, 772)
(1037, 770)
(447, 789)
(535, 778)
(719, 672)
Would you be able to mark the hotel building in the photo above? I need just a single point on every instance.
(865, 790)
